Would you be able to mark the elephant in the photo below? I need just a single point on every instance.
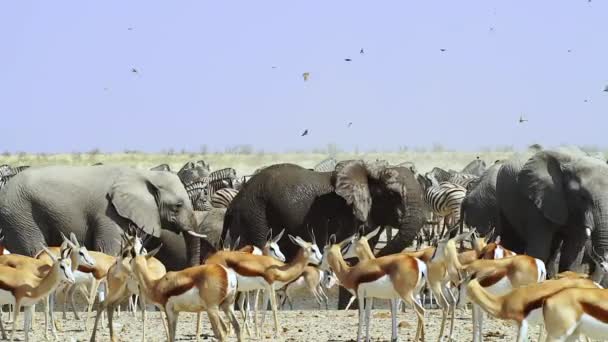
(161, 167)
(554, 202)
(97, 203)
(356, 193)
(479, 209)
(477, 167)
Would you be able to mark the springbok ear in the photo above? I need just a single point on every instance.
(489, 235)
(51, 255)
(352, 185)
(154, 251)
(279, 236)
(332, 239)
(360, 232)
(236, 244)
(74, 239)
(269, 235)
(373, 233)
(296, 240)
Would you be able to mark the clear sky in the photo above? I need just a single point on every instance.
(206, 77)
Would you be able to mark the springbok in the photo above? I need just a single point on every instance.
(209, 287)
(389, 277)
(23, 287)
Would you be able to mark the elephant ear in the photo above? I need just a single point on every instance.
(541, 179)
(134, 198)
(352, 185)
(390, 177)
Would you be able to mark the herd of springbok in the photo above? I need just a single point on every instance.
(497, 282)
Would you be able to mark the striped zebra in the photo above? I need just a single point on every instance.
(444, 201)
(199, 195)
(326, 165)
(439, 175)
(223, 197)
(223, 178)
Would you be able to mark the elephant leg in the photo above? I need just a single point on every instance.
(106, 236)
(572, 252)
(508, 235)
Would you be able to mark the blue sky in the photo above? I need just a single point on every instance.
(205, 74)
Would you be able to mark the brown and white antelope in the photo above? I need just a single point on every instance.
(260, 272)
(498, 277)
(271, 248)
(522, 305)
(389, 277)
(23, 287)
(313, 279)
(122, 284)
(575, 311)
(207, 288)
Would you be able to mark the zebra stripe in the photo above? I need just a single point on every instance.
(326, 165)
(199, 195)
(220, 179)
(463, 179)
(223, 197)
(439, 175)
(445, 200)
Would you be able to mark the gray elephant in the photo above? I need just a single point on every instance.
(479, 208)
(97, 203)
(161, 167)
(554, 199)
(287, 196)
(210, 224)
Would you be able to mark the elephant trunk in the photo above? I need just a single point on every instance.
(192, 240)
(411, 220)
(599, 235)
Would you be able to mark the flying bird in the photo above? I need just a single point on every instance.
(348, 59)
(304, 133)
(350, 124)
(361, 52)
(274, 67)
(569, 50)
(306, 75)
(443, 50)
(133, 70)
(522, 120)
(130, 29)
(606, 88)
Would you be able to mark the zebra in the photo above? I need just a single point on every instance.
(326, 165)
(223, 178)
(198, 192)
(444, 200)
(223, 197)
(438, 175)
(476, 167)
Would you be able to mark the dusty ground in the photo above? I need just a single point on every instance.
(307, 324)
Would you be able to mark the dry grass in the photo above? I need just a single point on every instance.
(247, 163)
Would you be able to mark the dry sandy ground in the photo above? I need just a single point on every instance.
(297, 325)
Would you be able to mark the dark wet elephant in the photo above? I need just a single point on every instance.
(96, 203)
(338, 202)
(554, 198)
(479, 208)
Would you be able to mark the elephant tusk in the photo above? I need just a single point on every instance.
(202, 236)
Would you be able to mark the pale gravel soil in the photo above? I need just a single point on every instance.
(297, 325)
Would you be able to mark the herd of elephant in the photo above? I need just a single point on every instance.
(550, 204)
